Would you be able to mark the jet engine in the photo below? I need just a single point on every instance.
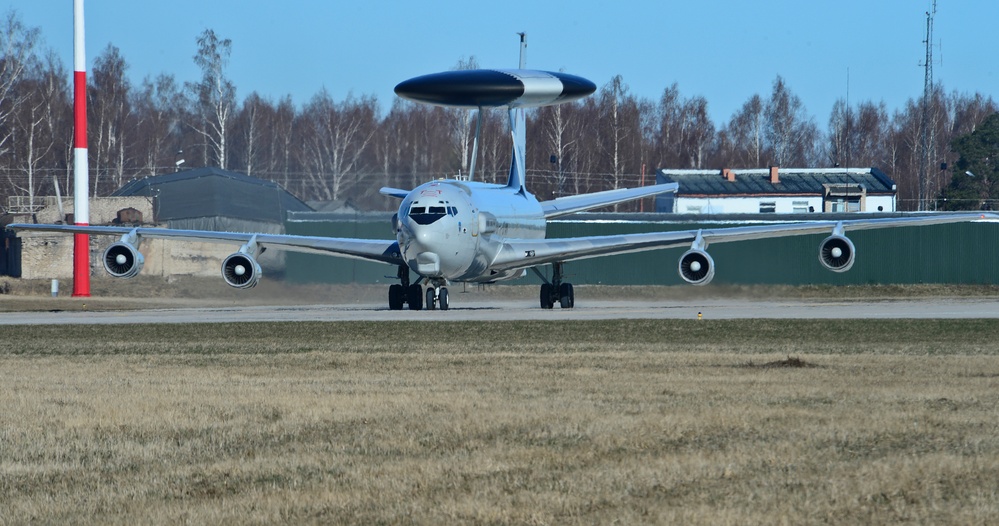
(836, 253)
(240, 270)
(123, 260)
(697, 267)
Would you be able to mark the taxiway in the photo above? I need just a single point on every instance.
(511, 310)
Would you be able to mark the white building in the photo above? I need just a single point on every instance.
(777, 191)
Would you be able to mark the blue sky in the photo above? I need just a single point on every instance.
(724, 50)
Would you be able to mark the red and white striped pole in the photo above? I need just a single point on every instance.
(81, 177)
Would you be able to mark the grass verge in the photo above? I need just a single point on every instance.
(856, 421)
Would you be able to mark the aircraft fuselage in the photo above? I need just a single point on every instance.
(453, 230)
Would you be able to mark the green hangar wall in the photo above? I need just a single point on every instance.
(963, 253)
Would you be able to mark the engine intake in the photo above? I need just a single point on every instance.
(241, 271)
(696, 267)
(836, 253)
(123, 260)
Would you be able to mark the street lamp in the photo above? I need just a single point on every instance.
(984, 192)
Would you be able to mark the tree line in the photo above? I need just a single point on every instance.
(327, 149)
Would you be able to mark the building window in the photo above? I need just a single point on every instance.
(768, 207)
(799, 207)
(848, 204)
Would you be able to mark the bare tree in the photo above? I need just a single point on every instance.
(215, 96)
(249, 126)
(745, 135)
(335, 139)
(789, 131)
(556, 139)
(969, 111)
(495, 147)
(461, 122)
(17, 44)
(109, 109)
(281, 145)
(37, 127)
(698, 131)
(157, 116)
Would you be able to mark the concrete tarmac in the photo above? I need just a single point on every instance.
(511, 310)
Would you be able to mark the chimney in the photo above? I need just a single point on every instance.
(729, 175)
(774, 177)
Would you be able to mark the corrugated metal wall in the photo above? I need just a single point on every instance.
(966, 253)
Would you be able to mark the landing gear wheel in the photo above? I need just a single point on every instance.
(566, 297)
(395, 297)
(430, 298)
(414, 295)
(547, 301)
(442, 299)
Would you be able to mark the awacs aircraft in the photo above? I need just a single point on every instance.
(453, 230)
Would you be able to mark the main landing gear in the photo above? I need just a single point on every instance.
(404, 293)
(556, 289)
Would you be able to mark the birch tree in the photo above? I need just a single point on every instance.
(336, 137)
(109, 109)
(789, 131)
(214, 97)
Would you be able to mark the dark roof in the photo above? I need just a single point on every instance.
(212, 192)
(791, 181)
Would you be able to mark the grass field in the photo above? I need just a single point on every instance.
(680, 422)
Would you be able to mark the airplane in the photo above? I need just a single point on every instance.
(461, 230)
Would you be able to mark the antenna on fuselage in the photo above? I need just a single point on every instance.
(523, 50)
(475, 143)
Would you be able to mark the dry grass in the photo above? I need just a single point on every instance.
(505, 423)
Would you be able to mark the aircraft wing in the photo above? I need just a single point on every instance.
(393, 192)
(579, 203)
(525, 253)
(385, 251)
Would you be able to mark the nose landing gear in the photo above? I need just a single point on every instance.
(437, 295)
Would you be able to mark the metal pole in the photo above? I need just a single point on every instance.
(81, 179)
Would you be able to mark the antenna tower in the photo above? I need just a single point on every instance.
(926, 130)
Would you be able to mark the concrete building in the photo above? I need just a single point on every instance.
(777, 191)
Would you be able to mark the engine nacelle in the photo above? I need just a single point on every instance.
(123, 260)
(836, 253)
(697, 267)
(240, 270)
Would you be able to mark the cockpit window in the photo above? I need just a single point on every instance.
(423, 216)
